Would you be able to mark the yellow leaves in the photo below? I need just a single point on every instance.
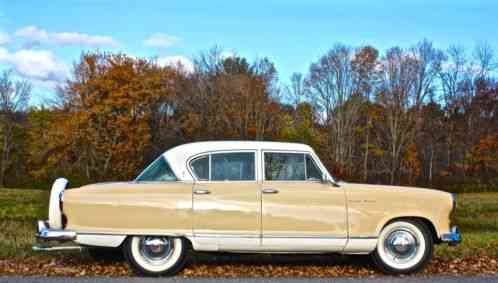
(411, 162)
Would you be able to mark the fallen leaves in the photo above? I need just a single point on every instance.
(235, 265)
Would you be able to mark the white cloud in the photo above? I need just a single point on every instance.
(178, 61)
(33, 33)
(4, 38)
(161, 40)
(37, 35)
(40, 67)
(73, 38)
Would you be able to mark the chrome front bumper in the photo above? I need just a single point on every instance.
(44, 234)
(453, 238)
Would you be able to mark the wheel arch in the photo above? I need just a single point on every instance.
(426, 221)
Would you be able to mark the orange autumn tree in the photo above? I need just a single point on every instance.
(105, 130)
(483, 157)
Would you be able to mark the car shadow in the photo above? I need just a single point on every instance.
(221, 258)
(214, 259)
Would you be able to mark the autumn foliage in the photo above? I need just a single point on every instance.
(410, 116)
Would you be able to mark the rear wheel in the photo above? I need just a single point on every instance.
(155, 255)
(404, 246)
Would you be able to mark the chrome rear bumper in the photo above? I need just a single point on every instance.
(44, 233)
(453, 238)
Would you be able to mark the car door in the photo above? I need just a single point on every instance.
(299, 211)
(225, 200)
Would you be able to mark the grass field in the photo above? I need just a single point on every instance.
(477, 217)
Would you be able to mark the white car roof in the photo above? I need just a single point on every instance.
(178, 156)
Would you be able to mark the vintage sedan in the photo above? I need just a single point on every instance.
(241, 196)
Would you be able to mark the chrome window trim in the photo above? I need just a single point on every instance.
(209, 153)
(313, 158)
(306, 168)
(193, 172)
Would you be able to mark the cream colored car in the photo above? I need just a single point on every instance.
(260, 197)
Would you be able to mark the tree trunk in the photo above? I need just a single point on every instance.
(367, 142)
(430, 164)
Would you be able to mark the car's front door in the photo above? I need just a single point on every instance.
(225, 200)
(299, 211)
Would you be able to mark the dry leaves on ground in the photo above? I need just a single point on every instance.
(210, 265)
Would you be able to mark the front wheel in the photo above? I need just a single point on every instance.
(155, 255)
(404, 246)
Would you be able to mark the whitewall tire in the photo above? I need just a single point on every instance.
(155, 255)
(404, 246)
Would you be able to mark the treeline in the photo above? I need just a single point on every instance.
(419, 116)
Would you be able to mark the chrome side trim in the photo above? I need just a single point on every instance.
(229, 243)
(254, 243)
(304, 244)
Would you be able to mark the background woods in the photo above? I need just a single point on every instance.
(408, 116)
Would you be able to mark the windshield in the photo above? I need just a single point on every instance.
(158, 171)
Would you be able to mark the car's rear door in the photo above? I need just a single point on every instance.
(299, 211)
(225, 199)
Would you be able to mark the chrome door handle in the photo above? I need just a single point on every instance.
(269, 191)
(202, 192)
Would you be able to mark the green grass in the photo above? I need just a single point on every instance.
(23, 205)
(19, 210)
(477, 217)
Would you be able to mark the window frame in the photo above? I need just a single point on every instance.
(210, 153)
(304, 153)
(136, 180)
(193, 171)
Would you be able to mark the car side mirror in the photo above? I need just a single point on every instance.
(326, 180)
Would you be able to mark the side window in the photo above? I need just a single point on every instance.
(237, 166)
(312, 171)
(284, 166)
(158, 171)
(200, 167)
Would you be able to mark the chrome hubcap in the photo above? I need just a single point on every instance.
(155, 250)
(401, 245)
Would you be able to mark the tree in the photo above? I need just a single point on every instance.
(296, 91)
(105, 126)
(453, 76)
(331, 89)
(428, 62)
(397, 95)
(14, 97)
(366, 73)
(228, 98)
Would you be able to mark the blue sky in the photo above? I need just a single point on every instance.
(40, 40)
